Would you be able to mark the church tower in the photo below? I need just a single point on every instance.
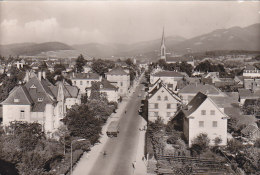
(163, 48)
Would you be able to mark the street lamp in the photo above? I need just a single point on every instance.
(71, 152)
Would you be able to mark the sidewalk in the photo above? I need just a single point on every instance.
(140, 166)
(89, 158)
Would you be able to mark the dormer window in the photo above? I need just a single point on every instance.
(40, 99)
(16, 100)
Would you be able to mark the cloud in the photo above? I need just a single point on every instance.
(44, 31)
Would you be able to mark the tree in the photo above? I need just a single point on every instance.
(101, 66)
(81, 122)
(185, 67)
(80, 62)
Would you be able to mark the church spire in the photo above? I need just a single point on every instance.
(163, 48)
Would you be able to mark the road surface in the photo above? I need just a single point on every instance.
(121, 151)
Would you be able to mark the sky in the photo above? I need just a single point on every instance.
(80, 22)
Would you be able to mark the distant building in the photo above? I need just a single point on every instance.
(162, 103)
(251, 71)
(204, 115)
(189, 91)
(169, 78)
(173, 60)
(120, 78)
(84, 80)
(40, 101)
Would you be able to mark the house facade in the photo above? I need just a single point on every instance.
(120, 78)
(40, 101)
(251, 71)
(203, 115)
(84, 80)
(109, 90)
(162, 103)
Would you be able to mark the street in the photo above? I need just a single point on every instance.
(121, 150)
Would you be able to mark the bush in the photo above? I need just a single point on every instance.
(200, 144)
(234, 146)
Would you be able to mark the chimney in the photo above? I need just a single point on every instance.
(40, 75)
(44, 75)
(26, 78)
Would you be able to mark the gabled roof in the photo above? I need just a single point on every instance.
(106, 85)
(69, 91)
(247, 94)
(85, 76)
(197, 101)
(205, 89)
(20, 93)
(117, 71)
(250, 129)
(161, 85)
(168, 74)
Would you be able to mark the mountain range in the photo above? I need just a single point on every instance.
(235, 38)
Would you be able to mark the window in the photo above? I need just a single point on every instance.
(75, 82)
(212, 112)
(166, 98)
(215, 124)
(81, 82)
(16, 100)
(22, 114)
(168, 106)
(40, 99)
(155, 105)
(156, 114)
(168, 114)
(87, 82)
(201, 124)
(159, 98)
(203, 112)
(121, 83)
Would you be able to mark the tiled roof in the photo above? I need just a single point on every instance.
(195, 88)
(117, 71)
(168, 74)
(247, 94)
(85, 76)
(194, 104)
(106, 85)
(34, 90)
(246, 120)
(21, 95)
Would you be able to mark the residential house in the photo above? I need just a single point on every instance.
(40, 101)
(251, 71)
(245, 94)
(204, 115)
(108, 89)
(163, 103)
(84, 80)
(169, 78)
(120, 78)
(251, 131)
(239, 80)
(189, 91)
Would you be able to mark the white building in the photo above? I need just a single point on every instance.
(204, 115)
(120, 79)
(40, 101)
(162, 103)
(84, 80)
(110, 91)
(251, 71)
